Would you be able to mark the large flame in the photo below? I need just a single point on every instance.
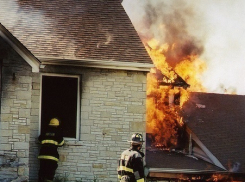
(164, 99)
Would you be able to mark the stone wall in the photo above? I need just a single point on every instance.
(34, 126)
(15, 117)
(113, 106)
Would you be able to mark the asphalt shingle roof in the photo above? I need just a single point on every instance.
(218, 121)
(72, 29)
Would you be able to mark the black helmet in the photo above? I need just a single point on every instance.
(136, 138)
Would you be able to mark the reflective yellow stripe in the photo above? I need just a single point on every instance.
(141, 180)
(124, 168)
(48, 157)
(52, 142)
(49, 142)
(61, 143)
(119, 176)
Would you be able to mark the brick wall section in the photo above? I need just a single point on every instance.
(113, 106)
(15, 117)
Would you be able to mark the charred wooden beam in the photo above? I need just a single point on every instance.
(177, 82)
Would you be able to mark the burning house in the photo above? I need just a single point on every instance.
(90, 51)
(80, 61)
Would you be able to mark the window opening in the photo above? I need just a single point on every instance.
(60, 98)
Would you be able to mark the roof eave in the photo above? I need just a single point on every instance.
(107, 64)
(20, 48)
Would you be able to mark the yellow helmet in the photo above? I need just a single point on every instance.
(54, 122)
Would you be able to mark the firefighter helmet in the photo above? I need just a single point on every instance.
(136, 138)
(54, 122)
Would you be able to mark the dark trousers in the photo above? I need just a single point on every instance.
(47, 170)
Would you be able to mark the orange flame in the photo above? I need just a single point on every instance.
(165, 101)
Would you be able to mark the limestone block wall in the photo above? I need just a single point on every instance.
(113, 106)
(15, 117)
(34, 127)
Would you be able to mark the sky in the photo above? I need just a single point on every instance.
(216, 28)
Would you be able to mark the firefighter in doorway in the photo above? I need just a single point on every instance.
(48, 155)
(131, 165)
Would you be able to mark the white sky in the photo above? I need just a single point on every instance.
(218, 24)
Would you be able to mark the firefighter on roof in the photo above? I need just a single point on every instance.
(48, 155)
(131, 166)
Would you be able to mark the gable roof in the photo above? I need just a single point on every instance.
(86, 33)
(218, 121)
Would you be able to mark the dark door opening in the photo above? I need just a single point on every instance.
(60, 99)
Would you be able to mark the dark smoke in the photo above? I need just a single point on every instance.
(182, 45)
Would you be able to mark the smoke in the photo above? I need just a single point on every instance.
(10, 13)
(211, 29)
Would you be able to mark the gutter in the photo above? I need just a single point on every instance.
(108, 64)
(172, 170)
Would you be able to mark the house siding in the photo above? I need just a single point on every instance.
(113, 105)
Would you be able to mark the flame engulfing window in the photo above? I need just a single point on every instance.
(164, 122)
(177, 99)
